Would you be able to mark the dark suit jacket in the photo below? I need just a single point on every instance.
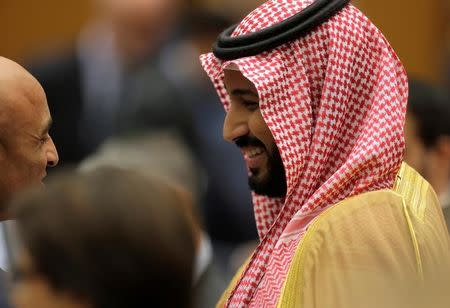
(209, 288)
(3, 291)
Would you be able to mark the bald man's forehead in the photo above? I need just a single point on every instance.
(22, 99)
(17, 85)
(10, 69)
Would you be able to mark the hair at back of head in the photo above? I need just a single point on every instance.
(110, 236)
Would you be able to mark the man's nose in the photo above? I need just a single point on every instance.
(234, 126)
(52, 154)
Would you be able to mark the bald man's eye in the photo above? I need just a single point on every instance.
(44, 140)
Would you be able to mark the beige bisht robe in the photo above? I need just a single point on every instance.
(387, 248)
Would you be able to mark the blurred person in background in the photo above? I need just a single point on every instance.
(164, 154)
(26, 148)
(427, 134)
(107, 238)
(233, 10)
(96, 85)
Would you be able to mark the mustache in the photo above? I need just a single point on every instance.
(245, 141)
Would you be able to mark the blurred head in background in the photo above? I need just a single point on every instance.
(107, 238)
(233, 9)
(26, 148)
(427, 134)
(164, 154)
(139, 26)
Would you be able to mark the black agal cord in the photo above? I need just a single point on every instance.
(229, 48)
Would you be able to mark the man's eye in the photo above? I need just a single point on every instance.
(44, 140)
(250, 105)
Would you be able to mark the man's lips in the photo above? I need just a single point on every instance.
(253, 156)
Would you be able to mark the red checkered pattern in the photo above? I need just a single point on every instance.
(335, 102)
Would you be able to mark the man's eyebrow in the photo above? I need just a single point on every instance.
(47, 127)
(240, 92)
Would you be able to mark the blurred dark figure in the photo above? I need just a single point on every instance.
(105, 239)
(427, 136)
(110, 78)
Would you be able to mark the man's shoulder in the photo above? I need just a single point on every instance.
(364, 206)
(379, 227)
(394, 233)
(380, 223)
(410, 192)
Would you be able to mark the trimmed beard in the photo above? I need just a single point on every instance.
(272, 185)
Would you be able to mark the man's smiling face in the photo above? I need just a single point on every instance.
(245, 126)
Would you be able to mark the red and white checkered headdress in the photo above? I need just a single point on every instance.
(335, 102)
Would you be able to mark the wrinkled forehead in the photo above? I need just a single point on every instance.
(21, 93)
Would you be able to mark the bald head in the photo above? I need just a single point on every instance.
(18, 89)
(26, 148)
(17, 86)
(11, 68)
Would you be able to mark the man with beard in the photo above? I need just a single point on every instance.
(315, 99)
(270, 181)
